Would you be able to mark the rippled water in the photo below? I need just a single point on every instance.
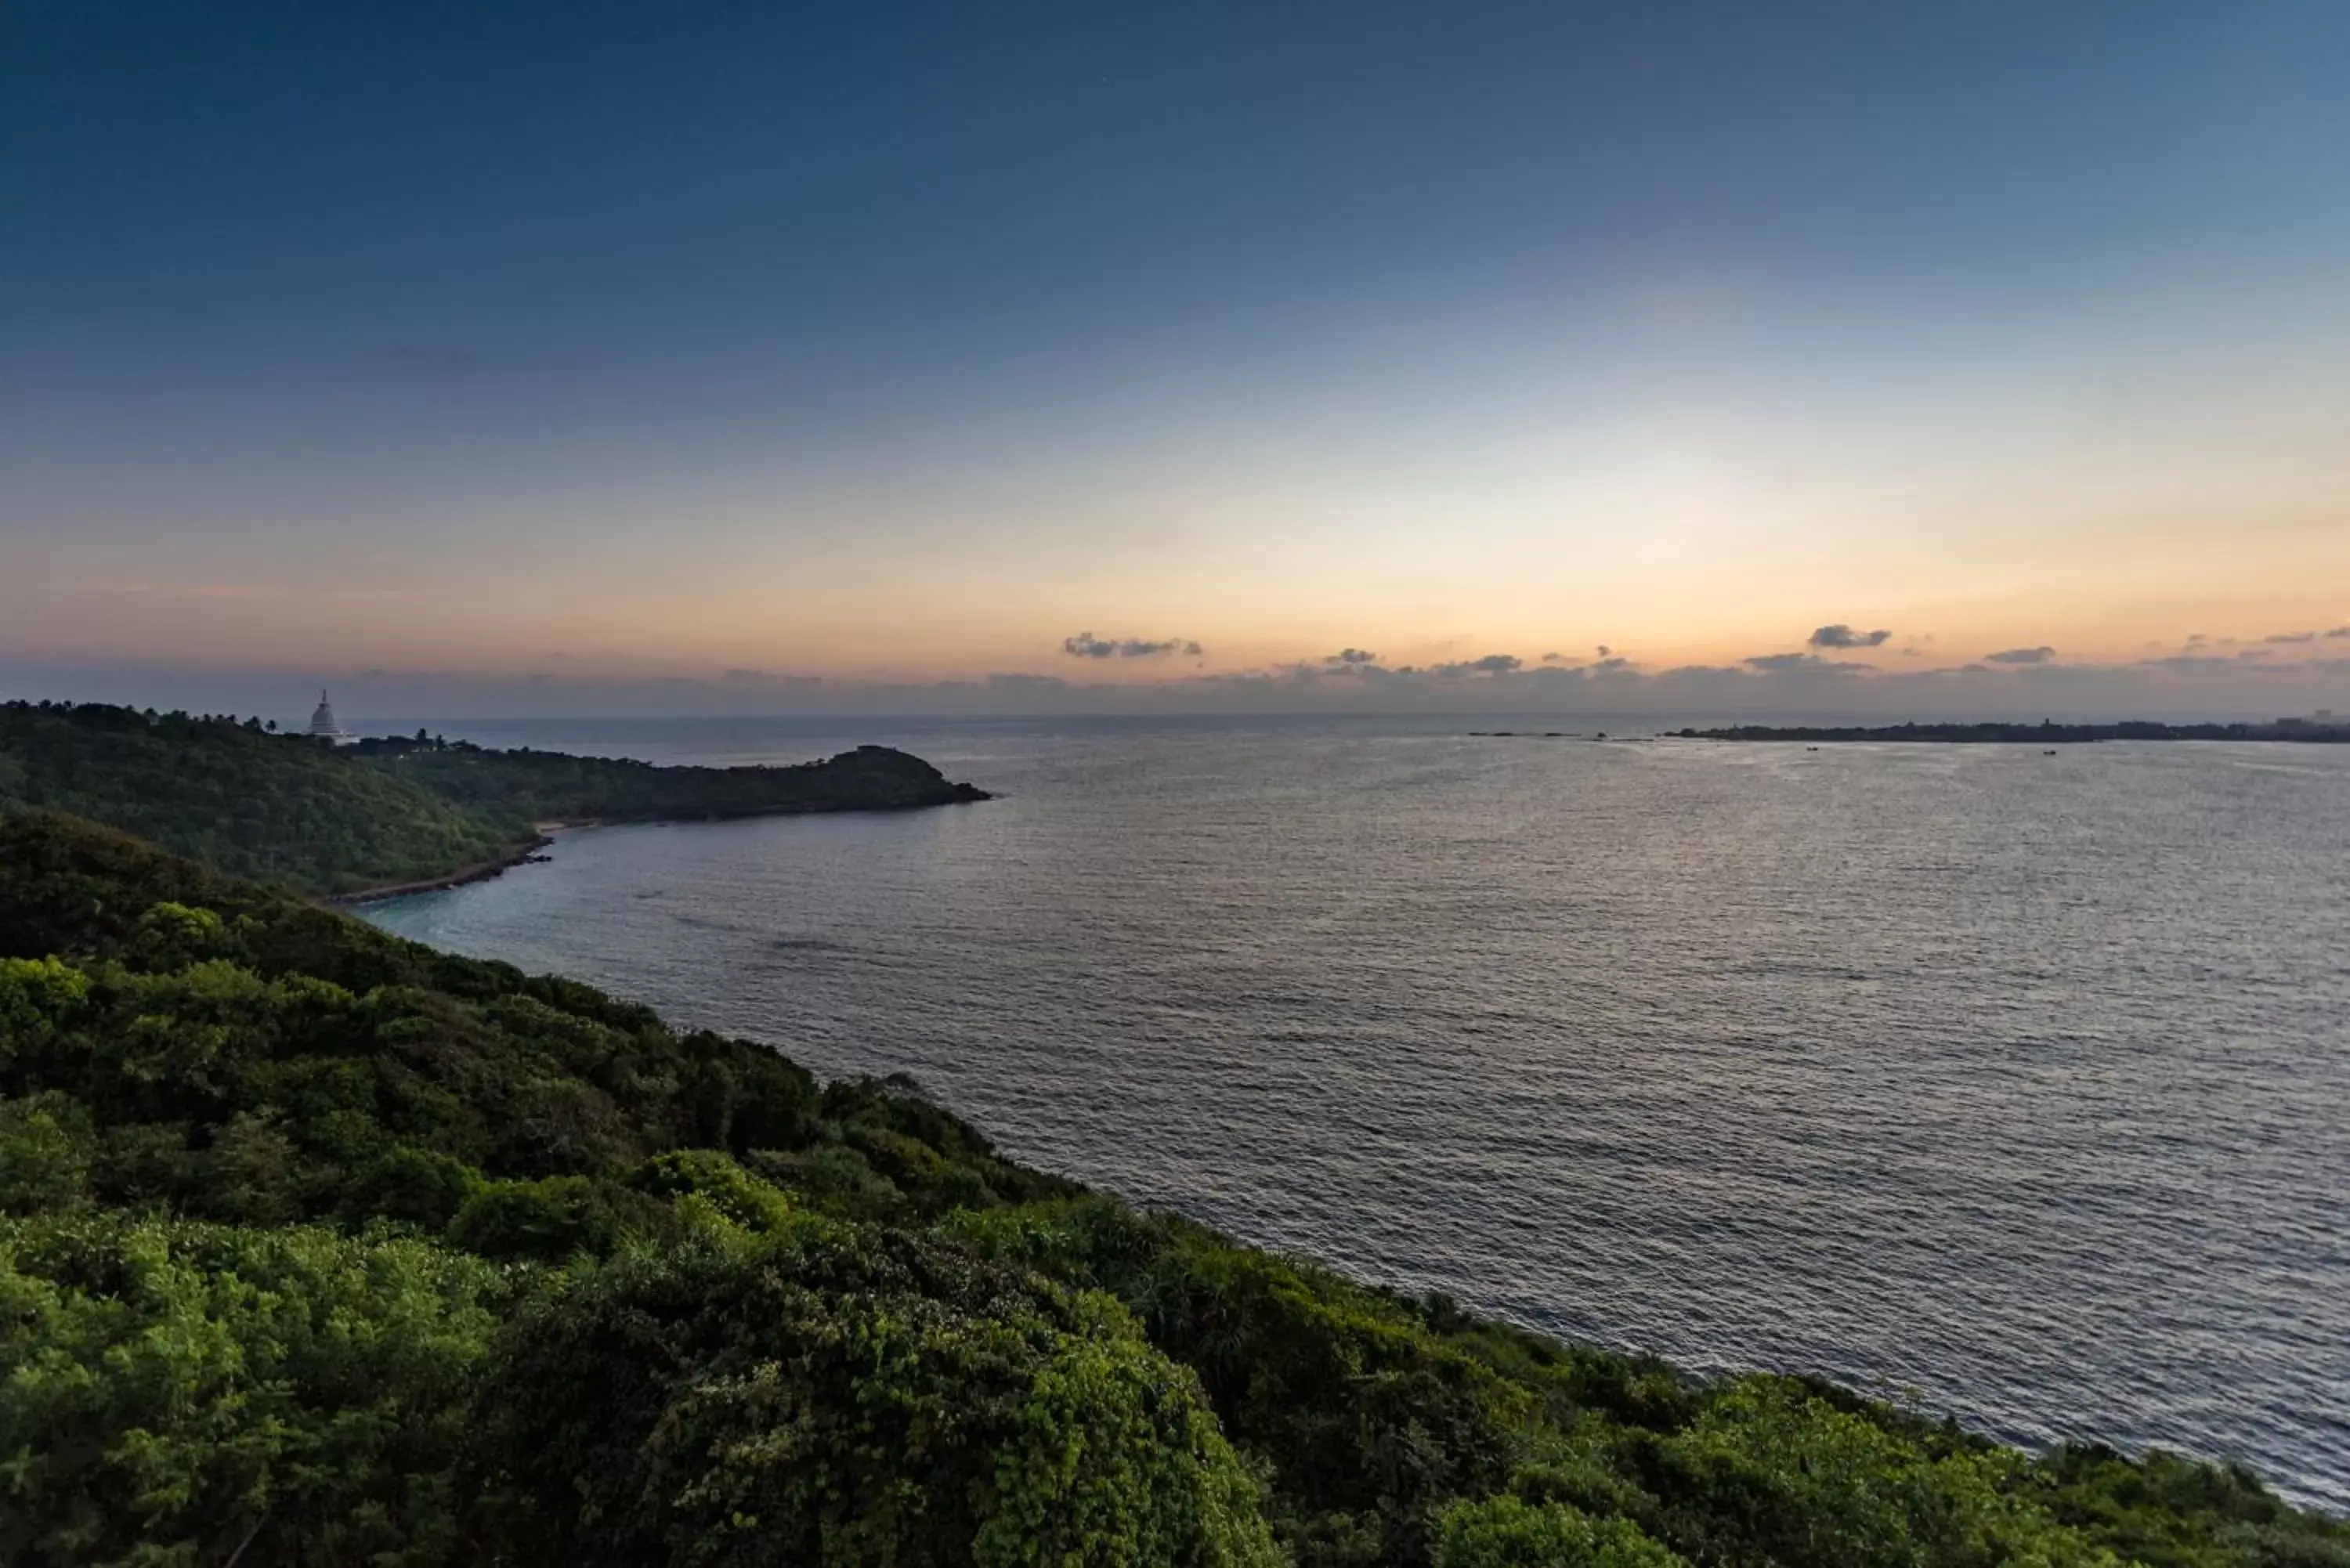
(2019, 1082)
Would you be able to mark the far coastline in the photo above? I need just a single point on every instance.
(2321, 728)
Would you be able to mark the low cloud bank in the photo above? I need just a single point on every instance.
(2263, 677)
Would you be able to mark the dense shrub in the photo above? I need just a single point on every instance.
(176, 1391)
(1504, 1532)
(833, 1393)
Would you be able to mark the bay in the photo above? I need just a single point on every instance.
(2015, 1086)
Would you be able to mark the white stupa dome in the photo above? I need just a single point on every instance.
(323, 723)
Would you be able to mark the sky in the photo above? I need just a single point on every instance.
(724, 357)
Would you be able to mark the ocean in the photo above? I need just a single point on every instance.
(2011, 1087)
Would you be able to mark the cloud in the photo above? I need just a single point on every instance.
(1351, 656)
(2168, 681)
(1605, 651)
(1800, 663)
(2339, 631)
(1491, 664)
(1085, 644)
(2291, 636)
(1842, 635)
(2040, 655)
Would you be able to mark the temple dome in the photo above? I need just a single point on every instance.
(323, 723)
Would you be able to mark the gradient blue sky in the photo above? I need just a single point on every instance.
(505, 349)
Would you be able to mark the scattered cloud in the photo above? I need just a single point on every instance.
(1842, 635)
(1352, 655)
(2339, 631)
(2291, 636)
(1605, 651)
(2040, 655)
(1491, 664)
(1791, 663)
(2203, 679)
(1085, 644)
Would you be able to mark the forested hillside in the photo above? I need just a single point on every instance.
(528, 786)
(327, 820)
(320, 1247)
(278, 808)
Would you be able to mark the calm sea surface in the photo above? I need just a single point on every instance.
(2018, 1083)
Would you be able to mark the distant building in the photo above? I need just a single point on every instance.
(324, 726)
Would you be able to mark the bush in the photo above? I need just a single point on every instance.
(837, 1394)
(549, 1219)
(417, 1187)
(47, 1148)
(1504, 1532)
(175, 1390)
(715, 1181)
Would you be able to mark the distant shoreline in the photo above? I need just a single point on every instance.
(2321, 730)
(526, 853)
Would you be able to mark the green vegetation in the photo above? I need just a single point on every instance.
(326, 1246)
(277, 808)
(528, 787)
(327, 820)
